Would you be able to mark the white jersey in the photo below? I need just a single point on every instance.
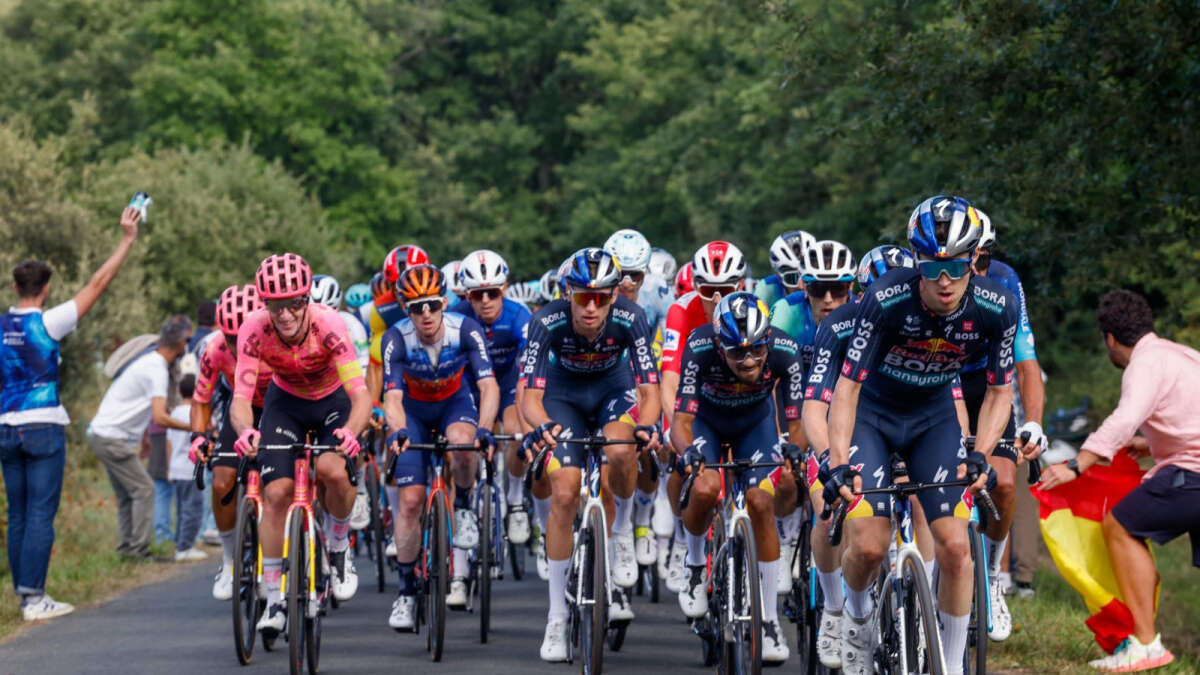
(358, 335)
(655, 298)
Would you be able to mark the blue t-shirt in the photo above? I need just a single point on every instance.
(29, 359)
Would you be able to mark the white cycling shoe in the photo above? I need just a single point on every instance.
(624, 564)
(663, 520)
(518, 525)
(783, 579)
(676, 574)
(466, 530)
(645, 546)
(457, 597)
(543, 563)
(345, 576)
(554, 644)
(223, 584)
(774, 645)
(360, 514)
(693, 599)
(856, 647)
(619, 608)
(1001, 619)
(389, 551)
(273, 621)
(829, 638)
(403, 617)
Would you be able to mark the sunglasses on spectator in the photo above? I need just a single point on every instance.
(585, 298)
(737, 354)
(791, 279)
(632, 276)
(293, 305)
(955, 268)
(433, 305)
(481, 294)
(708, 292)
(818, 289)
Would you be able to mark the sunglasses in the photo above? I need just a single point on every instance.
(818, 289)
(293, 305)
(737, 354)
(481, 294)
(633, 277)
(791, 279)
(955, 268)
(585, 298)
(432, 306)
(710, 292)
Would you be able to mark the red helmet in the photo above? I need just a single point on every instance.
(233, 306)
(401, 258)
(283, 276)
(683, 280)
(719, 262)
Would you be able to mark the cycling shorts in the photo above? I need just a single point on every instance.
(287, 418)
(422, 420)
(508, 389)
(750, 437)
(225, 454)
(585, 405)
(974, 387)
(930, 442)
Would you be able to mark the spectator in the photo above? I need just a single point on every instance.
(32, 419)
(136, 396)
(206, 323)
(189, 500)
(164, 491)
(1159, 390)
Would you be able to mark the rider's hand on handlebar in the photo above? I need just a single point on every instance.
(692, 457)
(198, 451)
(546, 434)
(842, 484)
(484, 440)
(976, 464)
(397, 441)
(1030, 441)
(649, 435)
(247, 443)
(349, 445)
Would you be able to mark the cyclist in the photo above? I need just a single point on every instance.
(787, 259)
(525, 293)
(453, 282)
(317, 387)
(577, 381)
(548, 285)
(725, 396)
(684, 282)
(1033, 398)
(219, 359)
(357, 297)
(505, 323)
(914, 330)
(388, 309)
(663, 263)
(425, 359)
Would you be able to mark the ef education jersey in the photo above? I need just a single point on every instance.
(708, 387)
(906, 356)
(434, 372)
(555, 346)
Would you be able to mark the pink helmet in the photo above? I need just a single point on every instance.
(233, 306)
(401, 258)
(283, 276)
(719, 262)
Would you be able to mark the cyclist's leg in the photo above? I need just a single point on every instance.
(615, 412)
(562, 472)
(995, 534)
(867, 527)
(706, 489)
(760, 443)
(337, 494)
(275, 467)
(410, 474)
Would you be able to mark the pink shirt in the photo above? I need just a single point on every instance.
(1160, 393)
(313, 369)
(218, 360)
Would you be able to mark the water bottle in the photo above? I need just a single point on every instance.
(141, 201)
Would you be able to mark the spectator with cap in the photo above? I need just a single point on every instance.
(137, 396)
(32, 419)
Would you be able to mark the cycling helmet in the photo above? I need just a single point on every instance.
(683, 281)
(879, 260)
(828, 260)
(400, 258)
(663, 263)
(560, 276)
(718, 262)
(742, 320)
(957, 220)
(282, 276)
(358, 295)
(379, 287)
(454, 284)
(233, 306)
(631, 250)
(787, 251)
(483, 269)
(527, 293)
(547, 284)
(592, 268)
(421, 281)
(326, 290)
(987, 239)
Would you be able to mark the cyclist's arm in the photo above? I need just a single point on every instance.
(681, 431)
(649, 404)
(645, 371)
(960, 406)
(784, 359)
(668, 389)
(475, 347)
(815, 415)
(534, 372)
(374, 380)
(674, 337)
(862, 355)
(201, 416)
(245, 378)
(393, 410)
(841, 419)
(1033, 390)
(534, 411)
(993, 417)
(997, 402)
(489, 401)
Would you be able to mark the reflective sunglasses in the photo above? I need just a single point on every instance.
(634, 277)
(432, 306)
(955, 268)
(737, 354)
(818, 289)
(293, 305)
(710, 292)
(790, 279)
(481, 294)
(585, 298)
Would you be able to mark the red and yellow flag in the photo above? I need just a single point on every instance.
(1070, 520)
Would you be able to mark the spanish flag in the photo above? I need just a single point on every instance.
(1070, 520)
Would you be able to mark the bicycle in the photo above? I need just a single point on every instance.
(487, 559)
(805, 602)
(376, 533)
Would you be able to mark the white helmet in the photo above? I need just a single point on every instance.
(663, 263)
(453, 280)
(524, 292)
(547, 285)
(787, 251)
(829, 260)
(988, 239)
(483, 269)
(631, 250)
(326, 291)
(718, 262)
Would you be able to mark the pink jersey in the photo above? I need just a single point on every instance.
(218, 360)
(313, 369)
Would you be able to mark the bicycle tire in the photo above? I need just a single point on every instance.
(375, 548)
(975, 655)
(593, 622)
(807, 614)
(297, 589)
(247, 608)
(745, 651)
(516, 557)
(435, 597)
(324, 586)
(920, 600)
(483, 493)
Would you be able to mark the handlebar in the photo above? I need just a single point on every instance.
(738, 466)
(900, 491)
(1035, 466)
(351, 470)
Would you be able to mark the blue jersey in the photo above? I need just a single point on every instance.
(1023, 347)
(770, 290)
(28, 363)
(407, 364)
(655, 298)
(793, 315)
(505, 336)
(555, 347)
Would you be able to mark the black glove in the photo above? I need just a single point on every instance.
(651, 430)
(485, 435)
(528, 440)
(792, 453)
(542, 429)
(839, 476)
(977, 465)
(692, 456)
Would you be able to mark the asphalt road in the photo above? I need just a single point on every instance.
(176, 627)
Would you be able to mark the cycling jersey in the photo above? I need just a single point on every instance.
(385, 313)
(320, 364)
(218, 360)
(708, 388)
(554, 346)
(358, 337)
(434, 372)
(770, 290)
(505, 342)
(793, 315)
(654, 297)
(685, 315)
(1023, 346)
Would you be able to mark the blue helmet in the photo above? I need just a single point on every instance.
(879, 260)
(358, 295)
(592, 268)
(742, 320)
(962, 223)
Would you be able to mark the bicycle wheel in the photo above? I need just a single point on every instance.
(922, 648)
(312, 624)
(438, 579)
(483, 495)
(744, 614)
(247, 608)
(975, 656)
(516, 556)
(297, 590)
(592, 607)
(804, 609)
(375, 546)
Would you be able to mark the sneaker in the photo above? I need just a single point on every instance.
(619, 608)
(543, 563)
(693, 599)
(1025, 591)
(390, 551)
(662, 521)
(1001, 620)
(624, 564)
(403, 617)
(676, 578)
(774, 646)
(829, 637)
(360, 514)
(190, 555)
(554, 644)
(274, 621)
(457, 597)
(211, 537)
(45, 607)
(518, 525)
(466, 530)
(223, 584)
(345, 576)
(1133, 656)
(645, 546)
(856, 647)
(783, 580)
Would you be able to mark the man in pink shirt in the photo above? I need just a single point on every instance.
(1159, 390)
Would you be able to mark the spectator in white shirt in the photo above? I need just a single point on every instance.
(189, 499)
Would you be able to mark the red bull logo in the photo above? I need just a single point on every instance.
(937, 346)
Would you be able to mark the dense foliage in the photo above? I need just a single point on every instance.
(339, 128)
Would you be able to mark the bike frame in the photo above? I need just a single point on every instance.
(906, 548)
(437, 490)
(303, 494)
(589, 485)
